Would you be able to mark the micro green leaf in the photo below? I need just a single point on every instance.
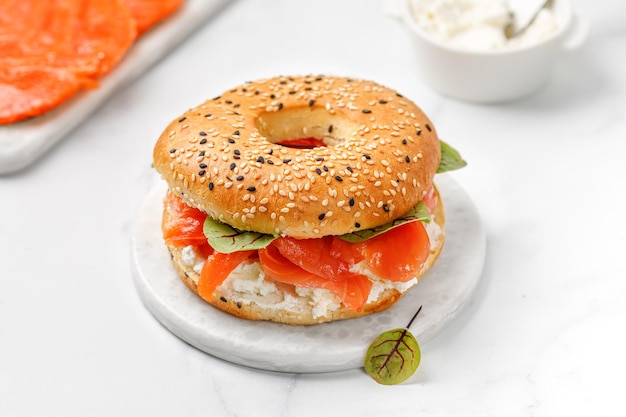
(417, 213)
(226, 239)
(450, 159)
(393, 357)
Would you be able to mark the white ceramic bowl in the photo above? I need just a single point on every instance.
(490, 76)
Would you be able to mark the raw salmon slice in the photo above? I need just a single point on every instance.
(352, 289)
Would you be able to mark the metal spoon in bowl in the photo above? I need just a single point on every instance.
(523, 15)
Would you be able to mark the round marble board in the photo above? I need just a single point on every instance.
(336, 346)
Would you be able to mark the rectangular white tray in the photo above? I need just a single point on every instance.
(22, 143)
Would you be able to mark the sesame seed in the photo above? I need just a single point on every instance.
(231, 140)
(172, 150)
(239, 178)
(232, 166)
(251, 189)
(211, 185)
(201, 172)
(321, 216)
(366, 111)
(338, 178)
(182, 119)
(428, 127)
(311, 103)
(407, 158)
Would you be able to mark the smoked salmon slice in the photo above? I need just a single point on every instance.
(183, 225)
(50, 50)
(352, 289)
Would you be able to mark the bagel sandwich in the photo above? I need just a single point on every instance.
(303, 199)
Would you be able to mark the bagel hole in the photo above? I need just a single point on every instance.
(305, 127)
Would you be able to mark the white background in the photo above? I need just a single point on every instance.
(543, 336)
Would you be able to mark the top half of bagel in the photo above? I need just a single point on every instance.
(227, 156)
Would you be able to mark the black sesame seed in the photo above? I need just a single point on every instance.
(272, 96)
(419, 132)
(203, 141)
(236, 157)
(201, 172)
(202, 165)
(366, 156)
(407, 158)
(325, 168)
(311, 103)
(349, 169)
(357, 224)
(382, 101)
(237, 152)
(172, 150)
(236, 133)
(292, 92)
(217, 98)
(251, 189)
(283, 82)
(386, 208)
(319, 171)
(286, 161)
(257, 92)
(201, 153)
(338, 178)
(228, 102)
(271, 152)
(236, 105)
(208, 115)
(182, 119)
(202, 133)
(222, 299)
(321, 216)
(211, 185)
(321, 158)
(238, 304)
(404, 142)
(280, 106)
(366, 111)
(232, 165)
(260, 159)
(351, 201)
(428, 127)
(269, 161)
(239, 177)
(231, 140)
(330, 129)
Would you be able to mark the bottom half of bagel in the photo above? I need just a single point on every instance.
(249, 294)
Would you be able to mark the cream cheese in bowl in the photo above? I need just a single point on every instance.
(478, 25)
(462, 50)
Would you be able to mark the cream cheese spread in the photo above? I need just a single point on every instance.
(478, 25)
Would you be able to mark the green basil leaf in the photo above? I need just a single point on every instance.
(417, 213)
(392, 357)
(226, 239)
(450, 159)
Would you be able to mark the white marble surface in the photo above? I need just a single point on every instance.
(338, 346)
(543, 336)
